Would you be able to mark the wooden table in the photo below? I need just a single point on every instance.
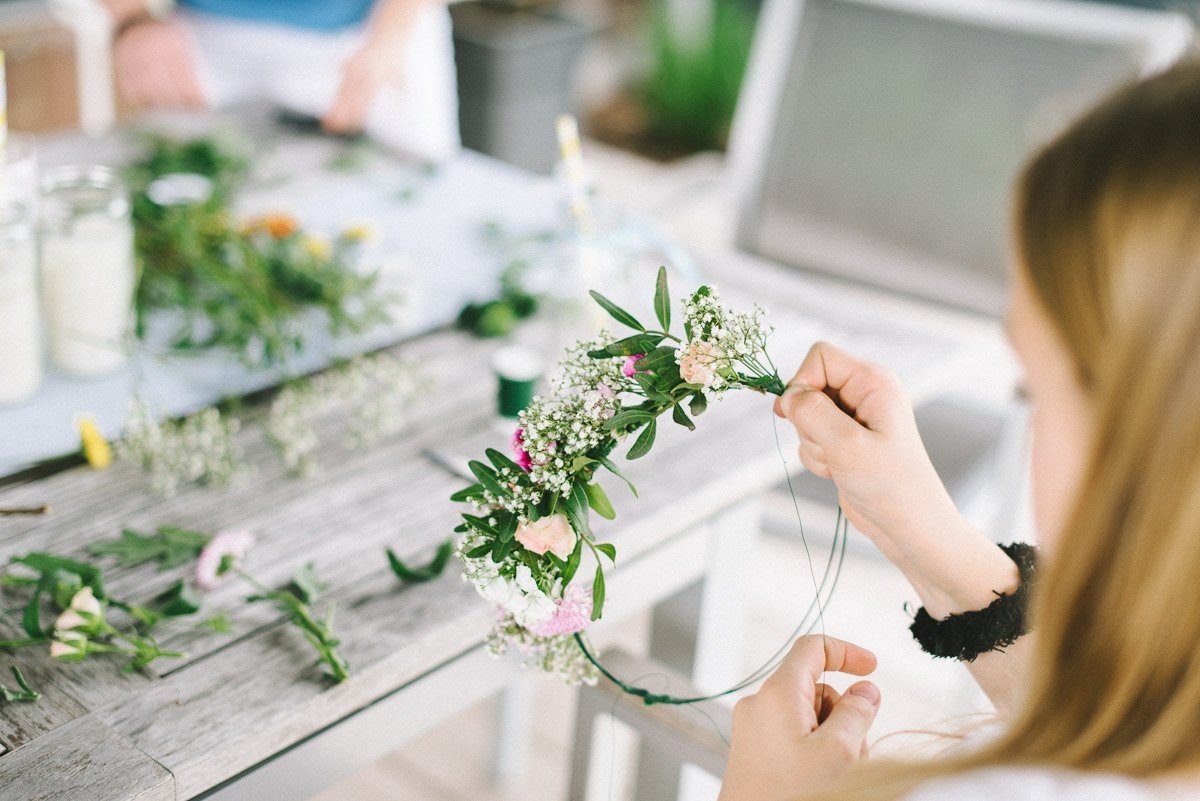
(245, 715)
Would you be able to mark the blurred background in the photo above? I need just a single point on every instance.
(847, 161)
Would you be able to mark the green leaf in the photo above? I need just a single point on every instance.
(620, 315)
(680, 416)
(179, 599)
(31, 618)
(656, 359)
(629, 346)
(598, 594)
(170, 546)
(608, 549)
(573, 562)
(644, 441)
(612, 468)
(427, 572)
(627, 418)
(47, 564)
(699, 404)
(466, 494)
(308, 587)
(598, 500)
(662, 300)
(487, 477)
(482, 526)
(24, 693)
(479, 551)
(218, 623)
(503, 462)
(577, 509)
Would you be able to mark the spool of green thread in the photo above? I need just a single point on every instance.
(518, 370)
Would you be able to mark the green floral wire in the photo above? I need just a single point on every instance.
(829, 579)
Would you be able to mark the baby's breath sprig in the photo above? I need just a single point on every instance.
(526, 541)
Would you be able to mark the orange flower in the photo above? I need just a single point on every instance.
(279, 226)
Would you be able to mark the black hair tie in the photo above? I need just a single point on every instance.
(966, 635)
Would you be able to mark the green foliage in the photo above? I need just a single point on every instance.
(23, 692)
(170, 546)
(295, 601)
(428, 572)
(236, 288)
(691, 92)
(497, 318)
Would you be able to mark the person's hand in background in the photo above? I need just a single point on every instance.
(377, 64)
(154, 68)
(796, 732)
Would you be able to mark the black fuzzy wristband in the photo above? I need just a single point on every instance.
(967, 635)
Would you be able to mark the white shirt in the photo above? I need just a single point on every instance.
(1039, 784)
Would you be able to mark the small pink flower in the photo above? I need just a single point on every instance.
(605, 391)
(222, 552)
(697, 363)
(573, 614)
(553, 534)
(630, 366)
(517, 444)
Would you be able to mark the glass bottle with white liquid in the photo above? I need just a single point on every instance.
(88, 272)
(20, 317)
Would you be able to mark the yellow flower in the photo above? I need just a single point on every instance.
(318, 247)
(279, 226)
(95, 447)
(360, 232)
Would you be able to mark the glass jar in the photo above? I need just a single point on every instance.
(20, 317)
(88, 272)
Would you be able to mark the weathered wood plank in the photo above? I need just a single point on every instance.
(83, 761)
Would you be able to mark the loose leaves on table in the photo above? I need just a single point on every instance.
(170, 546)
(427, 572)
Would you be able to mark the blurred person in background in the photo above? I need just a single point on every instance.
(1101, 700)
(381, 67)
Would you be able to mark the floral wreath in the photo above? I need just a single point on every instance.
(524, 546)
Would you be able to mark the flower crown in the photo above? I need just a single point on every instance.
(523, 547)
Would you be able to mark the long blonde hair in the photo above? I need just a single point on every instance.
(1107, 231)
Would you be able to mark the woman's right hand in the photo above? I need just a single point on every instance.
(856, 427)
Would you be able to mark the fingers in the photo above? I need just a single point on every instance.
(349, 108)
(813, 459)
(814, 654)
(867, 392)
(824, 700)
(851, 717)
(818, 419)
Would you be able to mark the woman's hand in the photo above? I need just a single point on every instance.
(857, 428)
(377, 64)
(154, 69)
(796, 733)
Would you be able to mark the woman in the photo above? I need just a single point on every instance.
(1103, 700)
(383, 67)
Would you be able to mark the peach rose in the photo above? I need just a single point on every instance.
(697, 363)
(553, 534)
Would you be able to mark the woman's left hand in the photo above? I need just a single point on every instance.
(377, 64)
(796, 733)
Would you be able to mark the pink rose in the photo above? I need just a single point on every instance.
(222, 552)
(553, 534)
(697, 363)
(630, 366)
(573, 613)
(517, 444)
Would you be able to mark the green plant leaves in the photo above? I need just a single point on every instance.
(662, 300)
(612, 468)
(487, 477)
(577, 509)
(680, 417)
(616, 312)
(629, 346)
(427, 572)
(598, 594)
(644, 442)
(177, 600)
(171, 546)
(23, 693)
(598, 500)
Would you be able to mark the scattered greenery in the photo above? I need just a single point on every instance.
(498, 317)
(239, 287)
(691, 91)
(170, 546)
(417, 575)
(23, 693)
(295, 602)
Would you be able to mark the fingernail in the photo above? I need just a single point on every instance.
(866, 690)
